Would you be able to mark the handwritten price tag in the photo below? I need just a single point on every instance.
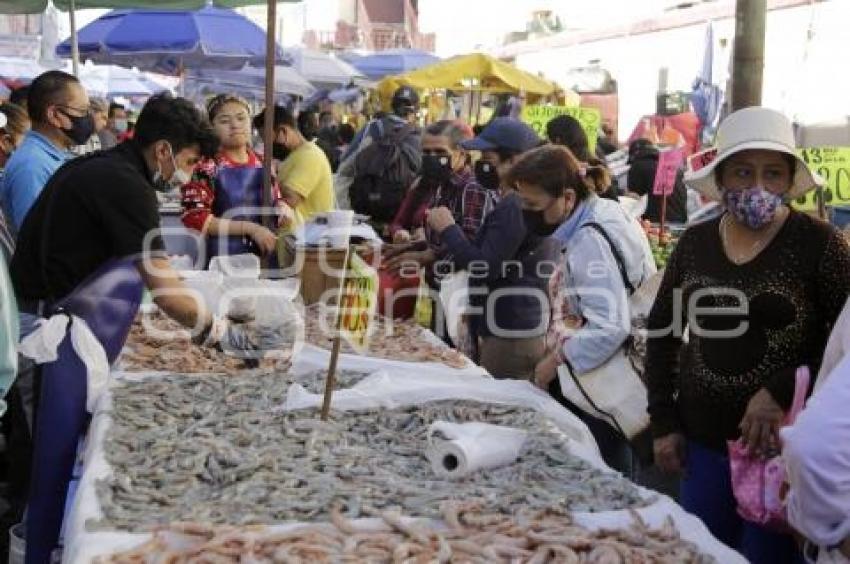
(833, 165)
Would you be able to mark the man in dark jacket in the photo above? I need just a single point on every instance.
(508, 297)
(643, 160)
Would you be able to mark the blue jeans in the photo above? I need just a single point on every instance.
(706, 491)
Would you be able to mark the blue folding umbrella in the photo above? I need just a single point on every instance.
(169, 41)
(392, 61)
(706, 97)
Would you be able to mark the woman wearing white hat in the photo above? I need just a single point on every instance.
(758, 289)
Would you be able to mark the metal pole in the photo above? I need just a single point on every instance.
(748, 57)
(268, 120)
(75, 47)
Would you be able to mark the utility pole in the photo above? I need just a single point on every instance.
(748, 56)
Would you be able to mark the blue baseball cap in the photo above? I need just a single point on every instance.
(504, 133)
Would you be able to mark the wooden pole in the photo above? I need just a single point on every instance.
(75, 45)
(748, 58)
(330, 381)
(268, 120)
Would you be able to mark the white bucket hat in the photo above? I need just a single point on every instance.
(744, 130)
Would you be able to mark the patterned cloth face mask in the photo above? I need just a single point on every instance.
(755, 207)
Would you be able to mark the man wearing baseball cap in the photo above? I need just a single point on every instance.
(509, 328)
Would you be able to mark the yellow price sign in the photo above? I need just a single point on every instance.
(589, 118)
(359, 302)
(833, 165)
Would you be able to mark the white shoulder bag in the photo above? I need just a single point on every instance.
(615, 391)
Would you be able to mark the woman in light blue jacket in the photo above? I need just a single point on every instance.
(606, 258)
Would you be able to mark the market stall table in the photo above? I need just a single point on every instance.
(393, 389)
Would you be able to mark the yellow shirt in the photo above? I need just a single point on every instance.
(307, 172)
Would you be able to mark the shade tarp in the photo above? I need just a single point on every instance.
(112, 80)
(18, 69)
(248, 82)
(323, 70)
(22, 6)
(475, 72)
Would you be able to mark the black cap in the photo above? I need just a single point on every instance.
(405, 99)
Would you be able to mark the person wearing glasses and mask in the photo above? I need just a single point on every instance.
(443, 161)
(450, 183)
(231, 180)
(58, 107)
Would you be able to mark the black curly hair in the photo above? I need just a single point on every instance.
(177, 121)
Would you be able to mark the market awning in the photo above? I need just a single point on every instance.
(476, 72)
(38, 6)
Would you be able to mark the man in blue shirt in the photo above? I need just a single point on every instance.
(59, 110)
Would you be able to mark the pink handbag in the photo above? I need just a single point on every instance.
(757, 483)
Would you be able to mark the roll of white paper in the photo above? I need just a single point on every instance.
(471, 447)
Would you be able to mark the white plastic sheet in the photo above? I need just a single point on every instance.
(394, 384)
(42, 347)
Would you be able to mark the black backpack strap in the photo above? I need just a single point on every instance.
(618, 257)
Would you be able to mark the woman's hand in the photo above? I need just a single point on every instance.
(440, 219)
(669, 453)
(546, 371)
(401, 236)
(265, 240)
(760, 425)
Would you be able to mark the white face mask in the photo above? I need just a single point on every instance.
(120, 125)
(178, 178)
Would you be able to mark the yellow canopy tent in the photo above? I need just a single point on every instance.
(472, 73)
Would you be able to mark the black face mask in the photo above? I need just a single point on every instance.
(437, 167)
(487, 175)
(279, 151)
(82, 127)
(535, 223)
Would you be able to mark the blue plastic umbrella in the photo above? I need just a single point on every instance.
(707, 97)
(392, 61)
(169, 41)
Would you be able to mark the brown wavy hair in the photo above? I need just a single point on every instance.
(555, 170)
